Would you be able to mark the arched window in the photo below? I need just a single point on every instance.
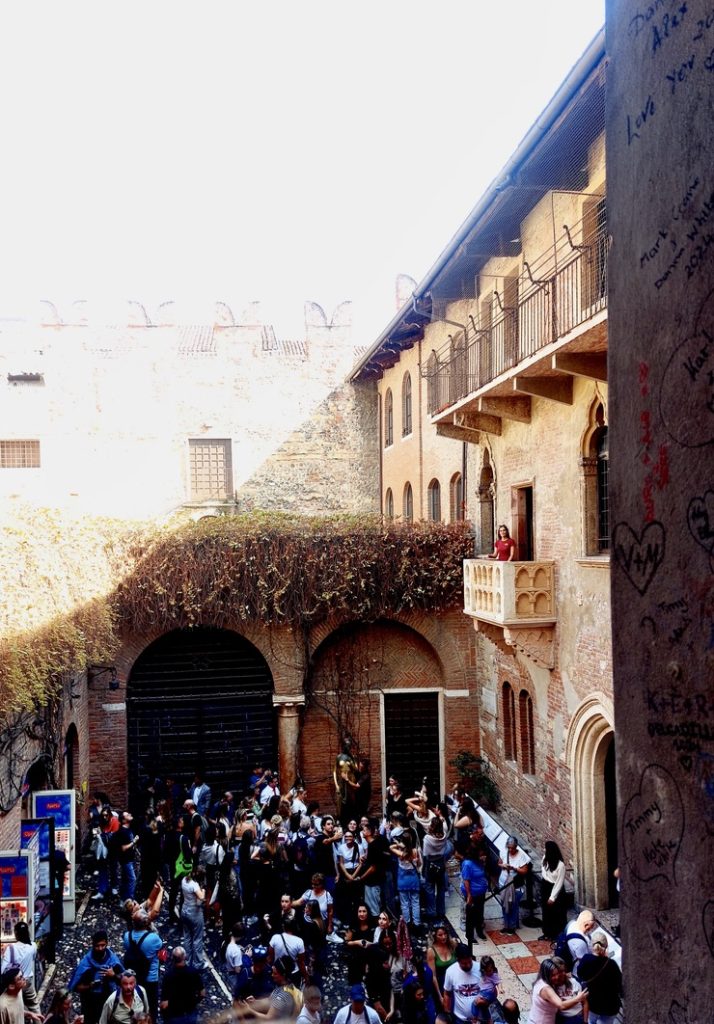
(408, 504)
(389, 504)
(434, 495)
(456, 498)
(508, 709)
(406, 405)
(525, 723)
(603, 502)
(594, 468)
(388, 419)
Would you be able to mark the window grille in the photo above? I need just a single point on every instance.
(211, 471)
(408, 504)
(388, 419)
(508, 705)
(435, 501)
(525, 709)
(456, 498)
(19, 454)
(406, 405)
(603, 500)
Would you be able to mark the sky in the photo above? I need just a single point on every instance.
(266, 151)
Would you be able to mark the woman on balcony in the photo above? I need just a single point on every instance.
(504, 550)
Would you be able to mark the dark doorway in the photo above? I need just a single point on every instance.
(71, 757)
(411, 736)
(611, 821)
(199, 699)
(522, 506)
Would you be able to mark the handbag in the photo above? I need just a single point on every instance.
(183, 866)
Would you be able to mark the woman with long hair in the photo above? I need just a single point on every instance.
(552, 891)
(440, 955)
(358, 942)
(60, 1009)
(545, 1001)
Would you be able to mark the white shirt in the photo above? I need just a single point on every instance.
(464, 987)
(519, 859)
(298, 806)
(290, 945)
(267, 793)
(22, 955)
(234, 957)
(556, 878)
(368, 1016)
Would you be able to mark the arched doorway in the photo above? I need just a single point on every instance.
(199, 699)
(591, 757)
(71, 757)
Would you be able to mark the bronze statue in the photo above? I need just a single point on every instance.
(345, 776)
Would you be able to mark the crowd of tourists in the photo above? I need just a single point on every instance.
(283, 881)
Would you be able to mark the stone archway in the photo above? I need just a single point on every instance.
(199, 699)
(590, 741)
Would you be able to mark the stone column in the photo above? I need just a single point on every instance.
(288, 738)
(660, 212)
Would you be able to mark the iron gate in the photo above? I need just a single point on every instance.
(199, 699)
(411, 735)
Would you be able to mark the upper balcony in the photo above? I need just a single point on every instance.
(532, 342)
(513, 603)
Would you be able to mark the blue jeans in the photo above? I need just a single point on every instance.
(127, 884)
(374, 899)
(409, 904)
(511, 918)
(435, 891)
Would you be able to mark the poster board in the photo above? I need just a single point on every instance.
(60, 805)
(17, 885)
(42, 832)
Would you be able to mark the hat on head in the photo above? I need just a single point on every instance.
(260, 953)
(358, 993)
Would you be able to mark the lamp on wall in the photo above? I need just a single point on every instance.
(97, 671)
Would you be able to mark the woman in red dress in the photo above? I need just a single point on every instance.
(504, 550)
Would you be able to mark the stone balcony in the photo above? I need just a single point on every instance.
(513, 604)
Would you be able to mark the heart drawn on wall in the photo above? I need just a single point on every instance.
(639, 557)
(700, 519)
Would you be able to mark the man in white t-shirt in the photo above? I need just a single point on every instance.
(462, 984)
(288, 945)
(269, 790)
(356, 1011)
(234, 956)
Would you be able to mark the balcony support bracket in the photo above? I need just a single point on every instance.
(555, 389)
(535, 644)
(592, 365)
(479, 421)
(458, 433)
(517, 408)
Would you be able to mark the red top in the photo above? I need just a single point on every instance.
(503, 548)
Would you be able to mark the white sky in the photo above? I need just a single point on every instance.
(257, 150)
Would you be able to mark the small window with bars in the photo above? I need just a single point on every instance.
(21, 454)
(211, 470)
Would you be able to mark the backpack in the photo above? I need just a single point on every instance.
(563, 950)
(136, 960)
(117, 997)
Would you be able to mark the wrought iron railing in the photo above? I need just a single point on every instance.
(563, 289)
